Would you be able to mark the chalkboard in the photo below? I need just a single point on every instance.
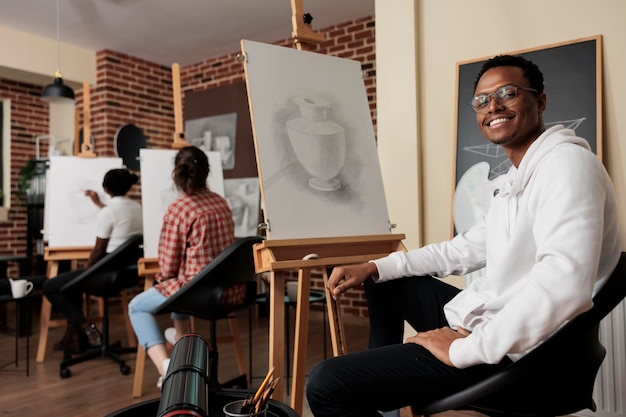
(572, 76)
(573, 80)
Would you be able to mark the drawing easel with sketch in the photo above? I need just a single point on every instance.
(317, 218)
(55, 254)
(149, 267)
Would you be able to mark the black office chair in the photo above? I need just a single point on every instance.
(115, 272)
(225, 286)
(556, 378)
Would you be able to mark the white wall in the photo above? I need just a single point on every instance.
(397, 118)
(31, 58)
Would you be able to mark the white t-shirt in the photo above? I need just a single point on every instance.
(118, 220)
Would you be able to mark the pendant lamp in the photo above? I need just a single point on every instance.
(57, 92)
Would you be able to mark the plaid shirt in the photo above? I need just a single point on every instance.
(195, 230)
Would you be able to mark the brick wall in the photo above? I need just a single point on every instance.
(29, 119)
(351, 40)
(131, 90)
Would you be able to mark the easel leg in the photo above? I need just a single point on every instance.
(140, 361)
(335, 323)
(236, 339)
(300, 340)
(277, 331)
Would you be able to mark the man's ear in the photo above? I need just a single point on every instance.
(542, 101)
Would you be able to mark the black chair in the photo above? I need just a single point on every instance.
(556, 378)
(225, 286)
(115, 272)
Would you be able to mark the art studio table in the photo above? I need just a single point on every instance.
(22, 315)
(4, 267)
(53, 256)
(280, 257)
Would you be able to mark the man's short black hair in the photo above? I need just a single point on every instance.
(531, 71)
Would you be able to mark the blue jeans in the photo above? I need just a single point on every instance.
(141, 311)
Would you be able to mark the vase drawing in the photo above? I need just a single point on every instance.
(319, 143)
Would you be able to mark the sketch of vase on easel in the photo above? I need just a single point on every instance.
(319, 143)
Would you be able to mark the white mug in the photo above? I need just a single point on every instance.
(20, 287)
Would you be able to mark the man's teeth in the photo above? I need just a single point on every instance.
(497, 121)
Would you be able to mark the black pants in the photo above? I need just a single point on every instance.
(69, 303)
(391, 374)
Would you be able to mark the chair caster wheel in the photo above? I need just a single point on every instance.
(65, 373)
(125, 369)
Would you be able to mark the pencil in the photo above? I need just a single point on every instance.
(263, 384)
(266, 395)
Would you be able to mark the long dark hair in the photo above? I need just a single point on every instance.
(191, 169)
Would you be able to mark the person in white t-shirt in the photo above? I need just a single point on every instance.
(115, 223)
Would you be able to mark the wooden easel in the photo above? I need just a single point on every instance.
(54, 255)
(280, 256)
(149, 267)
(180, 141)
(303, 35)
(86, 149)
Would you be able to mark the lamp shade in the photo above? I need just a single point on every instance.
(57, 92)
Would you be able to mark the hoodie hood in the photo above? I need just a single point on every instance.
(517, 178)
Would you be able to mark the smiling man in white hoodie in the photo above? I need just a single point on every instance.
(548, 242)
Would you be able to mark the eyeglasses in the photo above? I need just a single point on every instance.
(503, 96)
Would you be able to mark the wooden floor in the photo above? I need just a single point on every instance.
(97, 387)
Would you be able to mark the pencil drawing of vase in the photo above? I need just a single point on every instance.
(319, 143)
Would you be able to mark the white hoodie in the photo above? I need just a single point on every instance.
(548, 242)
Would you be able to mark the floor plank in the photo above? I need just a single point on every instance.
(97, 387)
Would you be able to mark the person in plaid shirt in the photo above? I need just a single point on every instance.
(197, 227)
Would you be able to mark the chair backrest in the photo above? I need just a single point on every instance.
(116, 270)
(202, 295)
(557, 377)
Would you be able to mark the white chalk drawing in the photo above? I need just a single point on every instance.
(495, 152)
(324, 185)
(158, 190)
(473, 195)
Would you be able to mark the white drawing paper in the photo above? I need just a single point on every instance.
(158, 190)
(69, 215)
(315, 144)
